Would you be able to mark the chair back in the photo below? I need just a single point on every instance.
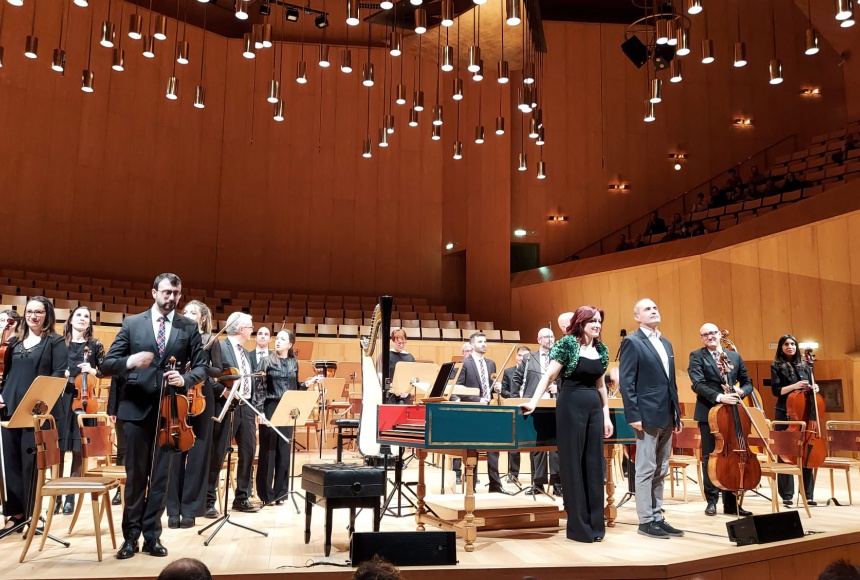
(788, 443)
(841, 437)
(96, 440)
(689, 438)
(47, 442)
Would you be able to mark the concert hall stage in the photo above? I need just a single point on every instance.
(543, 553)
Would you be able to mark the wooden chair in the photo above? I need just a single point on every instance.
(689, 439)
(841, 436)
(785, 444)
(97, 444)
(48, 457)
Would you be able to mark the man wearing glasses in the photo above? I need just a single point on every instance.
(714, 384)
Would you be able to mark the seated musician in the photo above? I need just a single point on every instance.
(466, 351)
(398, 354)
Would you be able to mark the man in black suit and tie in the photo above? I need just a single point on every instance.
(476, 374)
(139, 356)
(512, 389)
(264, 336)
(647, 377)
(234, 354)
(712, 387)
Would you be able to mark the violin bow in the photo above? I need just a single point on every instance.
(499, 372)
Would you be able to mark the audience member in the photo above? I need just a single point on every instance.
(656, 225)
(718, 197)
(672, 234)
(757, 180)
(791, 183)
(638, 243)
(698, 229)
(678, 221)
(700, 205)
(849, 145)
(840, 570)
(770, 188)
(377, 569)
(734, 179)
(185, 569)
(623, 244)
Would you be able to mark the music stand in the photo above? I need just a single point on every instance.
(328, 396)
(39, 399)
(233, 400)
(410, 377)
(293, 406)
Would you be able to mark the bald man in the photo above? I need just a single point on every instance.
(564, 320)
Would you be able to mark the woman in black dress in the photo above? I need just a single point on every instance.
(582, 421)
(282, 375)
(78, 335)
(398, 354)
(789, 373)
(36, 351)
(189, 470)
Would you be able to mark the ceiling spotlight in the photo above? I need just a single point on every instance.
(520, 232)
(677, 167)
(352, 12)
(420, 21)
(291, 14)
(694, 6)
(449, 246)
(512, 12)
(321, 21)
(458, 149)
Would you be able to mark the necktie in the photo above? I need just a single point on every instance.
(243, 366)
(482, 367)
(544, 361)
(160, 341)
(716, 356)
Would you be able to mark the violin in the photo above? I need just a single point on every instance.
(196, 399)
(86, 399)
(732, 466)
(232, 374)
(808, 406)
(174, 432)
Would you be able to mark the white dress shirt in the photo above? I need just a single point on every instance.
(654, 338)
(156, 314)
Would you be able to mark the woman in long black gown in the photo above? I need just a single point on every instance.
(36, 351)
(582, 421)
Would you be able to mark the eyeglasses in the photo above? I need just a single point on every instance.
(709, 334)
(35, 313)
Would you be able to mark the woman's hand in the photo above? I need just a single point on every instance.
(799, 385)
(86, 368)
(528, 408)
(608, 428)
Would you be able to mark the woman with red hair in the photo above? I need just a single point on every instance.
(582, 420)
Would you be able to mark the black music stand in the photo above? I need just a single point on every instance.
(295, 405)
(229, 409)
(40, 397)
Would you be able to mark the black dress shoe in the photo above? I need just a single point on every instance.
(245, 506)
(186, 523)
(738, 511)
(11, 524)
(173, 522)
(458, 479)
(532, 491)
(499, 489)
(129, 549)
(117, 498)
(811, 502)
(211, 513)
(787, 503)
(155, 548)
(598, 538)
(69, 506)
(711, 510)
(58, 504)
(556, 490)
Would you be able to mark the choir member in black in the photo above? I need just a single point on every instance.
(789, 373)
(78, 335)
(189, 471)
(36, 351)
(273, 460)
(582, 419)
(398, 354)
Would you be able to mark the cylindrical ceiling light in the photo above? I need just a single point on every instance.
(352, 12)
(302, 72)
(811, 42)
(367, 74)
(324, 58)
(400, 99)
(413, 118)
(479, 74)
(87, 75)
(366, 149)
(274, 91)
(500, 125)
(844, 9)
(457, 94)
(683, 44)
(649, 112)
(267, 35)
(504, 72)
(529, 73)
(395, 43)
(241, 9)
(172, 88)
(672, 36)
(108, 33)
(257, 35)
(182, 50)
(740, 54)
(522, 162)
(533, 128)
(16, 2)
(694, 6)
(386, 4)
(118, 60)
(31, 46)
(512, 12)
(346, 61)
(87, 79)
(446, 57)
(447, 13)
(416, 2)
(160, 29)
(388, 123)
(81, 3)
(474, 58)
(418, 101)
(420, 21)
(479, 134)
(707, 51)
(58, 60)
(541, 170)
(200, 97)
(279, 111)
(383, 138)
(541, 139)
(675, 75)
(458, 150)
(148, 46)
(135, 26)
(848, 22)
(435, 132)
(437, 115)
(774, 69)
(248, 50)
(199, 90)
(662, 31)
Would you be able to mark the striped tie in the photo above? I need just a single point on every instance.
(160, 338)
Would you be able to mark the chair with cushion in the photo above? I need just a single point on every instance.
(686, 452)
(841, 436)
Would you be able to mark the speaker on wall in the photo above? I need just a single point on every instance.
(635, 51)
(405, 548)
(765, 528)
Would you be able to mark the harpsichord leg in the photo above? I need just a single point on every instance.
(610, 511)
(471, 530)
(421, 454)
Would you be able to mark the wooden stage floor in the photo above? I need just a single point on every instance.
(704, 553)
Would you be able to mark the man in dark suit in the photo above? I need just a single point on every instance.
(647, 377)
(712, 387)
(476, 374)
(244, 426)
(139, 356)
(512, 389)
(264, 336)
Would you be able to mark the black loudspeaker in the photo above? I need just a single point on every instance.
(765, 528)
(405, 548)
(635, 51)
(663, 55)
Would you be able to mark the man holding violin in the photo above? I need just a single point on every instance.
(139, 356)
(716, 383)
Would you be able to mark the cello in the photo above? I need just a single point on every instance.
(732, 466)
(807, 405)
(728, 344)
(86, 398)
(174, 432)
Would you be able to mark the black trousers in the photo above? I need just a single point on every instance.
(712, 492)
(273, 460)
(579, 424)
(145, 487)
(189, 471)
(514, 463)
(492, 468)
(785, 483)
(244, 431)
(18, 455)
(539, 464)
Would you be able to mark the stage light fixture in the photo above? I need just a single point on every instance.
(321, 21)
(291, 14)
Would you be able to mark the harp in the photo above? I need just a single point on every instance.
(374, 375)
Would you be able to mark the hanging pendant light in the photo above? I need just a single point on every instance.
(160, 27)
(436, 132)
(58, 60)
(108, 33)
(274, 91)
(707, 51)
(662, 31)
(541, 170)
(199, 97)
(135, 26)
(395, 43)
(418, 101)
(346, 61)
(352, 16)
(367, 74)
(172, 88)
(774, 69)
(541, 138)
(522, 162)
(248, 50)
(447, 58)
(420, 21)
(811, 42)
(479, 134)
(447, 13)
(500, 125)
(474, 59)
(31, 46)
(401, 94)
(458, 89)
(649, 112)
(386, 4)
(413, 118)
(504, 72)
(844, 9)
(683, 41)
(367, 149)
(529, 73)
(672, 35)
(118, 60)
(388, 123)
(458, 150)
(87, 75)
(740, 59)
(848, 22)
(302, 72)
(148, 46)
(437, 115)
(241, 11)
(199, 90)
(324, 61)
(383, 138)
(257, 35)
(279, 111)
(694, 6)
(675, 75)
(512, 10)
(87, 80)
(182, 50)
(533, 128)
(479, 74)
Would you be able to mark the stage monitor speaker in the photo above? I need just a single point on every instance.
(635, 51)
(405, 548)
(663, 55)
(765, 528)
